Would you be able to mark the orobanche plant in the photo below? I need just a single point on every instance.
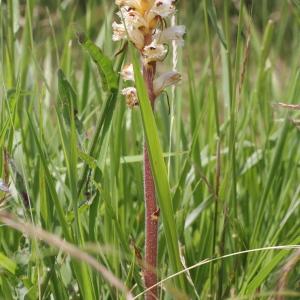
(144, 23)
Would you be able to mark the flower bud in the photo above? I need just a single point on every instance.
(131, 96)
(127, 73)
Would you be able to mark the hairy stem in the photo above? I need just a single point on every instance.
(151, 240)
(151, 209)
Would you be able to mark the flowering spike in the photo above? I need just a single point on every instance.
(140, 22)
(144, 23)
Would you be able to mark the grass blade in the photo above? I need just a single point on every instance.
(159, 171)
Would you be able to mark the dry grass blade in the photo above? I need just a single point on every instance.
(68, 248)
(289, 106)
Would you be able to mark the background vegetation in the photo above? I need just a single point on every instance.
(232, 154)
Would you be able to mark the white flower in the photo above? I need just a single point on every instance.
(154, 52)
(131, 96)
(173, 33)
(127, 72)
(165, 80)
(134, 35)
(163, 8)
(119, 32)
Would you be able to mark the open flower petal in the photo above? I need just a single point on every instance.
(133, 34)
(132, 17)
(119, 32)
(163, 8)
(154, 52)
(136, 36)
(173, 33)
(165, 80)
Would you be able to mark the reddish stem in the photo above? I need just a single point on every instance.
(151, 210)
(151, 240)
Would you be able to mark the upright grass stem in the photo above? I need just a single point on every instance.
(216, 110)
(232, 133)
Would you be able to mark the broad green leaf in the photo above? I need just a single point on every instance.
(104, 64)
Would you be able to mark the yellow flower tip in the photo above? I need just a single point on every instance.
(146, 5)
(153, 23)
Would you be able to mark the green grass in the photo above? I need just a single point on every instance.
(230, 182)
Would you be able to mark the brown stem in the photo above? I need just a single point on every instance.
(151, 210)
